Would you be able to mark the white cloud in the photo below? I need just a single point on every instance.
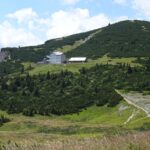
(18, 29)
(143, 6)
(121, 18)
(11, 36)
(64, 23)
(23, 15)
(120, 2)
(70, 1)
(25, 27)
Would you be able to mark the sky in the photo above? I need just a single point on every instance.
(32, 22)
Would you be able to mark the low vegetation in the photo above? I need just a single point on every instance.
(95, 127)
(53, 93)
(7, 68)
(42, 69)
(66, 92)
(116, 40)
(129, 142)
(37, 53)
(3, 119)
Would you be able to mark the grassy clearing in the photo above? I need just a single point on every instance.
(105, 59)
(75, 67)
(93, 128)
(102, 115)
(67, 48)
(92, 120)
(78, 43)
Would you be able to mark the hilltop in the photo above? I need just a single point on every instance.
(37, 53)
(123, 39)
(117, 40)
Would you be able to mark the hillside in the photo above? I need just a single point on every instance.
(37, 53)
(66, 92)
(123, 39)
(94, 105)
(117, 40)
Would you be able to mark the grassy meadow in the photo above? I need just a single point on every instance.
(93, 128)
(44, 68)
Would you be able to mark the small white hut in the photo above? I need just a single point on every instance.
(77, 60)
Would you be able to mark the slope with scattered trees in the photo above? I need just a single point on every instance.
(37, 53)
(123, 39)
(65, 92)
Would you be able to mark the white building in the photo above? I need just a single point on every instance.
(77, 59)
(56, 58)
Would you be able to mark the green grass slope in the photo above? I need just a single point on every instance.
(116, 116)
(36, 69)
(93, 128)
(93, 121)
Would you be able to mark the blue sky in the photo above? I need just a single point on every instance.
(108, 7)
(30, 22)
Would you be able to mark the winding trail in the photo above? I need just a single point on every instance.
(135, 112)
(138, 100)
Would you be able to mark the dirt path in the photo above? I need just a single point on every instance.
(138, 100)
(135, 112)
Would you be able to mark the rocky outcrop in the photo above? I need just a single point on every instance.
(4, 56)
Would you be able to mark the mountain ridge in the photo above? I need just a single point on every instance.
(123, 39)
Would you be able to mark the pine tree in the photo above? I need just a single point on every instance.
(22, 70)
(48, 75)
(4, 85)
(129, 69)
(36, 92)
(148, 64)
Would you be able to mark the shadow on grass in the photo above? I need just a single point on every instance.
(71, 130)
(144, 127)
